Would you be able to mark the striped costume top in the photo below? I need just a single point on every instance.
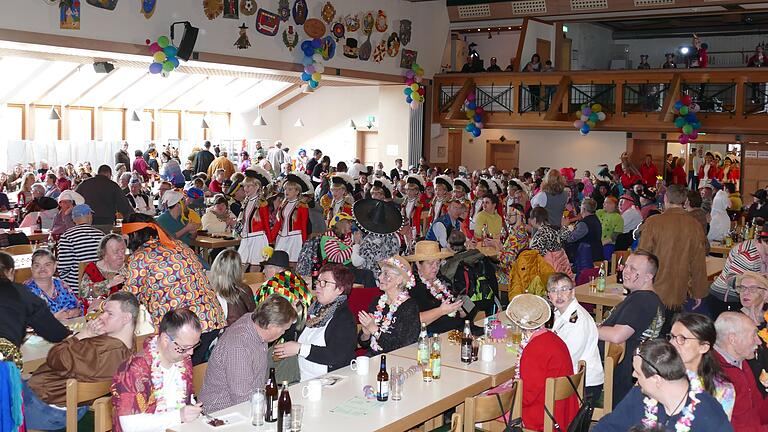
(78, 244)
(744, 257)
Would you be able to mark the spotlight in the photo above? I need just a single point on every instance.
(684, 50)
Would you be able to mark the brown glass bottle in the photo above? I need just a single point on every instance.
(466, 344)
(270, 392)
(284, 410)
(383, 381)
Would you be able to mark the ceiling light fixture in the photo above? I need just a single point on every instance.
(54, 115)
(135, 116)
(204, 124)
(259, 120)
(298, 123)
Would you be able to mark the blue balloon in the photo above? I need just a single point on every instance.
(585, 129)
(678, 105)
(170, 51)
(309, 52)
(306, 44)
(305, 76)
(174, 60)
(306, 61)
(478, 118)
(156, 68)
(313, 84)
(408, 99)
(476, 133)
(690, 118)
(471, 105)
(408, 91)
(696, 125)
(317, 43)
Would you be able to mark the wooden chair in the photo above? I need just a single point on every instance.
(254, 280)
(102, 418)
(22, 274)
(81, 272)
(615, 259)
(614, 354)
(138, 342)
(18, 249)
(484, 408)
(557, 389)
(198, 376)
(79, 392)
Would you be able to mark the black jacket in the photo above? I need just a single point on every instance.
(105, 198)
(20, 308)
(122, 157)
(203, 160)
(340, 341)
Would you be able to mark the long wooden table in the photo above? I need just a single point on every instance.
(207, 242)
(421, 402)
(719, 248)
(614, 293)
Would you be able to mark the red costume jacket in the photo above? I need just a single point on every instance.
(414, 219)
(649, 173)
(256, 219)
(299, 221)
(749, 411)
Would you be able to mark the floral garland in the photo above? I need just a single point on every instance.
(438, 289)
(157, 382)
(685, 421)
(384, 322)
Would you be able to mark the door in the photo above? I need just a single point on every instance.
(563, 62)
(753, 170)
(367, 147)
(454, 148)
(543, 49)
(504, 154)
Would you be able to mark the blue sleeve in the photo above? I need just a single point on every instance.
(627, 413)
(578, 232)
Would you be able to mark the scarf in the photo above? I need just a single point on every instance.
(319, 314)
(222, 217)
(135, 226)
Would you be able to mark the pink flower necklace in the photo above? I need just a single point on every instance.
(438, 289)
(383, 322)
(158, 386)
(685, 421)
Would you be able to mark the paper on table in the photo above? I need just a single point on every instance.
(356, 407)
(331, 380)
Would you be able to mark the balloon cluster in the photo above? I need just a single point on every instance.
(313, 55)
(474, 115)
(686, 119)
(164, 56)
(588, 117)
(414, 89)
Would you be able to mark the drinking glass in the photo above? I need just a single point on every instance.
(592, 284)
(517, 334)
(258, 407)
(475, 348)
(396, 381)
(297, 413)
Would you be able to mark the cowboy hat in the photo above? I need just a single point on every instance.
(385, 184)
(279, 258)
(343, 179)
(260, 174)
(71, 195)
(300, 179)
(416, 180)
(377, 217)
(427, 250)
(528, 311)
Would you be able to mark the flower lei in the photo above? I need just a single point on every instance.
(763, 333)
(438, 289)
(685, 421)
(157, 382)
(382, 321)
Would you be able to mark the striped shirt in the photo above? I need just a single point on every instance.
(236, 368)
(336, 250)
(78, 244)
(743, 257)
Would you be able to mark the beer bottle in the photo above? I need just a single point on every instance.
(422, 353)
(466, 344)
(284, 410)
(383, 381)
(270, 392)
(39, 224)
(434, 357)
(619, 272)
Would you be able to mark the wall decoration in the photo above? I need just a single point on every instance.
(148, 8)
(300, 12)
(329, 48)
(248, 7)
(368, 23)
(588, 117)
(163, 56)
(393, 45)
(314, 28)
(242, 42)
(338, 31)
(284, 10)
(380, 51)
(365, 49)
(267, 23)
(231, 11)
(407, 58)
(405, 32)
(290, 38)
(686, 119)
(352, 22)
(350, 48)
(414, 90)
(69, 15)
(329, 13)
(381, 22)
(213, 8)
(103, 4)
(313, 68)
(475, 115)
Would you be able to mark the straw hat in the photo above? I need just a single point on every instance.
(528, 311)
(402, 266)
(428, 250)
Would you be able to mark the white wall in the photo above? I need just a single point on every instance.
(126, 24)
(503, 46)
(592, 46)
(656, 48)
(537, 30)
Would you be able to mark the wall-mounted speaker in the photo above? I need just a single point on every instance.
(188, 40)
(103, 67)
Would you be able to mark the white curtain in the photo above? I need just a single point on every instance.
(58, 152)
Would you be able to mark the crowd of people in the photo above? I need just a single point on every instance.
(437, 244)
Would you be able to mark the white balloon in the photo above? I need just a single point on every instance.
(319, 68)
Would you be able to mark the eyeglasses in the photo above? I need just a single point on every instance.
(323, 283)
(648, 362)
(747, 288)
(559, 290)
(180, 349)
(679, 339)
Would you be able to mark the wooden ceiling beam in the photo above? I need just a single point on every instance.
(126, 88)
(291, 101)
(89, 89)
(281, 94)
(458, 100)
(673, 93)
(555, 112)
(58, 83)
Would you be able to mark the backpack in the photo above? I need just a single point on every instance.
(472, 273)
(529, 274)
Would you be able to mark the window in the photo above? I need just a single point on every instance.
(193, 132)
(219, 123)
(112, 124)
(80, 124)
(13, 123)
(45, 128)
(170, 125)
(140, 132)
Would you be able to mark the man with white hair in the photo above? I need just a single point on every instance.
(276, 157)
(736, 343)
(124, 181)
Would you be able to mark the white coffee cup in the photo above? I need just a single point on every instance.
(487, 352)
(361, 364)
(313, 390)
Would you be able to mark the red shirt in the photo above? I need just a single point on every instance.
(679, 176)
(215, 186)
(649, 173)
(749, 410)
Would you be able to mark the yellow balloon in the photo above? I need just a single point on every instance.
(578, 114)
(159, 57)
(316, 76)
(596, 108)
(470, 113)
(415, 87)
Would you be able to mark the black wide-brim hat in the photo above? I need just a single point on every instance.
(445, 181)
(47, 203)
(345, 180)
(301, 179)
(260, 174)
(279, 258)
(377, 217)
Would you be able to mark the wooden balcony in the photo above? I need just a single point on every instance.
(732, 100)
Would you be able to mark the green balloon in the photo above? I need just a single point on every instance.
(167, 66)
(687, 129)
(683, 110)
(163, 41)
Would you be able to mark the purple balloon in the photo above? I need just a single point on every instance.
(155, 68)
(409, 74)
(310, 69)
(586, 111)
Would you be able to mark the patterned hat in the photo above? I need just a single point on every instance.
(287, 284)
(301, 179)
(260, 174)
(385, 184)
(463, 183)
(343, 179)
(416, 180)
(341, 216)
(445, 181)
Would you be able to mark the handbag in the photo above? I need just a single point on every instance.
(510, 425)
(583, 418)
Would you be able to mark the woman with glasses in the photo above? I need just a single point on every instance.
(753, 293)
(329, 339)
(693, 336)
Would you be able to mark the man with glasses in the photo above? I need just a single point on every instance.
(663, 399)
(577, 329)
(736, 343)
(238, 364)
(639, 317)
(152, 390)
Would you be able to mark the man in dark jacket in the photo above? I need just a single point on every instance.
(203, 159)
(105, 198)
(122, 156)
(588, 230)
(398, 173)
